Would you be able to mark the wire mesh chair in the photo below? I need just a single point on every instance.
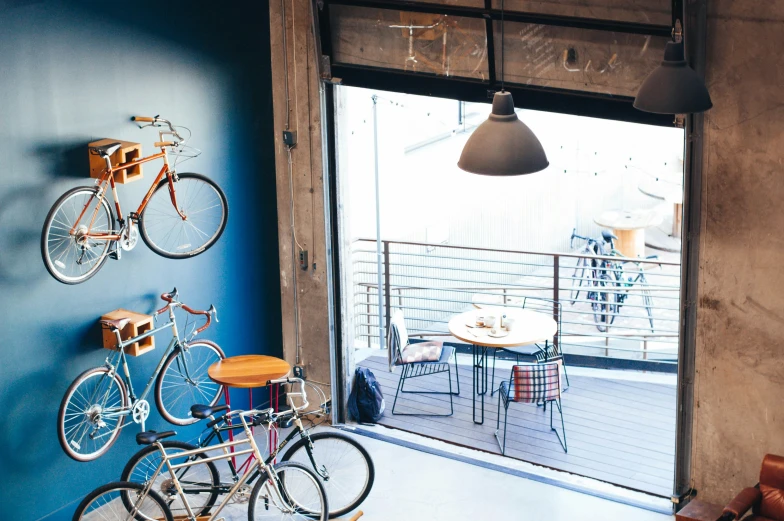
(549, 352)
(420, 359)
(532, 383)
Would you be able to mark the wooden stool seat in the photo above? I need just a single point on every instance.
(248, 371)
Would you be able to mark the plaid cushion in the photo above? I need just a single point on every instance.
(536, 383)
(422, 352)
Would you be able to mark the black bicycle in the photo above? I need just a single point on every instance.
(343, 464)
(607, 282)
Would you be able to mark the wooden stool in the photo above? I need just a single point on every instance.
(247, 372)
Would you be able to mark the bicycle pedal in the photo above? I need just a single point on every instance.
(116, 254)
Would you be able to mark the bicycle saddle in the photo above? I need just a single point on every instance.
(607, 235)
(105, 150)
(116, 324)
(150, 437)
(205, 411)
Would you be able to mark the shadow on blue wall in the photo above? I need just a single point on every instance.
(75, 71)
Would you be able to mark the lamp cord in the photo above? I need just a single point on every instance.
(502, 45)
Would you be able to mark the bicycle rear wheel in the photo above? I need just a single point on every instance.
(344, 466)
(204, 206)
(121, 501)
(73, 257)
(603, 303)
(91, 414)
(200, 481)
(292, 493)
(183, 381)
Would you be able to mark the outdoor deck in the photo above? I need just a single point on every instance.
(618, 431)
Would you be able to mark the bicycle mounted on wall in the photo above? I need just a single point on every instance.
(180, 216)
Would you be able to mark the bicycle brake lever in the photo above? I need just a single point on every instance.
(214, 312)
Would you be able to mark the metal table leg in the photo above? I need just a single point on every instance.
(479, 380)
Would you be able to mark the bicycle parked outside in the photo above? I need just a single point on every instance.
(342, 464)
(607, 277)
(288, 490)
(97, 403)
(182, 215)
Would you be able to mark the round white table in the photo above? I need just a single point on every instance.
(530, 327)
(670, 193)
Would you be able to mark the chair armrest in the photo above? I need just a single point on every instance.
(743, 502)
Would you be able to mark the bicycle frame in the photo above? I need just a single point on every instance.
(122, 359)
(254, 468)
(108, 176)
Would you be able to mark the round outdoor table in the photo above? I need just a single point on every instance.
(629, 226)
(670, 193)
(530, 327)
(247, 372)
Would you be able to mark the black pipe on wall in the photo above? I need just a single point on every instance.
(75, 71)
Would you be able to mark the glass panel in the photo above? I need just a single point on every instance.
(577, 59)
(657, 12)
(417, 42)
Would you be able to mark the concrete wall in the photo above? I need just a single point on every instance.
(73, 71)
(740, 352)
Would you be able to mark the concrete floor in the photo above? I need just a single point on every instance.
(411, 485)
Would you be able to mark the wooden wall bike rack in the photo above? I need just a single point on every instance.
(128, 151)
(138, 325)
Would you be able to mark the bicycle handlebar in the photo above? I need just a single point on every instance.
(171, 300)
(154, 121)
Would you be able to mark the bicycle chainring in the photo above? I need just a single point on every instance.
(129, 237)
(243, 494)
(140, 411)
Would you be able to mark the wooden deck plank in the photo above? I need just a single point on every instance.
(596, 421)
(617, 431)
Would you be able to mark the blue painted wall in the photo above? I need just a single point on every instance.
(75, 71)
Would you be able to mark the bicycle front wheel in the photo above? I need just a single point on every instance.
(200, 481)
(122, 501)
(183, 381)
(204, 212)
(91, 414)
(70, 253)
(292, 493)
(344, 466)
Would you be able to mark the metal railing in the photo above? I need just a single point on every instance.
(433, 282)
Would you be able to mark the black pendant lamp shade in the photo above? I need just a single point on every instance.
(503, 145)
(673, 87)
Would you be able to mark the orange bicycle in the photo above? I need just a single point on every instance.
(181, 215)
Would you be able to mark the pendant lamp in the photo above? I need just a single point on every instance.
(503, 145)
(673, 87)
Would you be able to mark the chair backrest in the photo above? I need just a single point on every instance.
(397, 336)
(771, 486)
(534, 383)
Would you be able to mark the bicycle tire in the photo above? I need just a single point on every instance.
(123, 485)
(582, 266)
(601, 306)
(46, 255)
(280, 468)
(129, 474)
(336, 509)
(648, 302)
(164, 185)
(61, 428)
(162, 409)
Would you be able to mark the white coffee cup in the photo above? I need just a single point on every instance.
(509, 324)
(489, 321)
